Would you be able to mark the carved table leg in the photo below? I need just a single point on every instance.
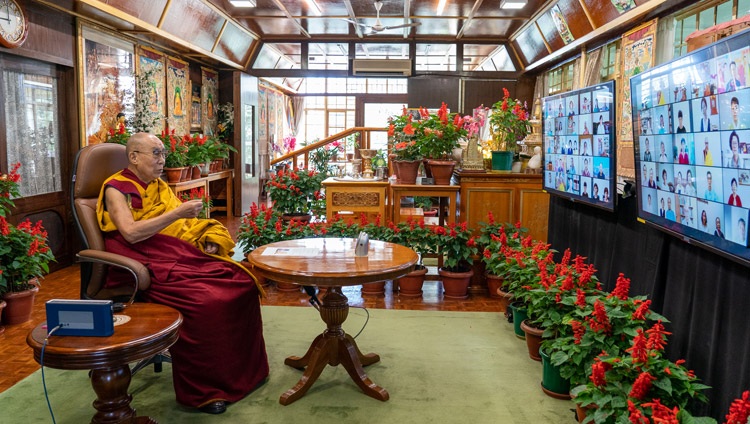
(113, 401)
(333, 347)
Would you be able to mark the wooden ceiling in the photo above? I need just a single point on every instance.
(216, 31)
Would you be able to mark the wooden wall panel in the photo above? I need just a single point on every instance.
(485, 92)
(550, 32)
(51, 36)
(601, 11)
(530, 46)
(575, 16)
(194, 22)
(481, 200)
(430, 91)
(534, 212)
(149, 11)
(235, 44)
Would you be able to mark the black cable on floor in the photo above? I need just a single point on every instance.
(366, 320)
(41, 362)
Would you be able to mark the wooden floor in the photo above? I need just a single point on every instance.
(17, 362)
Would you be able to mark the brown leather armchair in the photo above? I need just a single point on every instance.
(92, 166)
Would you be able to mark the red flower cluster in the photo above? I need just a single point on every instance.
(622, 288)
(739, 411)
(598, 371)
(599, 321)
(641, 386)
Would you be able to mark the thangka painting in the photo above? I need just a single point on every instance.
(637, 55)
(623, 6)
(178, 95)
(561, 24)
(150, 60)
(106, 82)
(209, 97)
(274, 145)
(262, 116)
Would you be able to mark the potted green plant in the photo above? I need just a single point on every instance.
(425, 202)
(437, 135)
(458, 247)
(509, 122)
(492, 236)
(176, 158)
(24, 254)
(294, 193)
(419, 237)
(625, 386)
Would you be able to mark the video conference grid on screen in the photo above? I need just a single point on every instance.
(578, 132)
(693, 124)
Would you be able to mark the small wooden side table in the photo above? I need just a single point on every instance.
(152, 328)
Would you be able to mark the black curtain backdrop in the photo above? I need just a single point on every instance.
(705, 296)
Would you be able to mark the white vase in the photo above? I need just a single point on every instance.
(516, 168)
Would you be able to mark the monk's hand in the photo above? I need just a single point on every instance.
(212, 248)
(190, 209)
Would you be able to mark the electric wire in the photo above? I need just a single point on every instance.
(41, 362)
(367, 319)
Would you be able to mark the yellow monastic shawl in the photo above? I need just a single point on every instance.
(157, 199)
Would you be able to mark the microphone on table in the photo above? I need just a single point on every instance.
(314, 301)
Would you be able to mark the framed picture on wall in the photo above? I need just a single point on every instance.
(106, 81)
(195, 108)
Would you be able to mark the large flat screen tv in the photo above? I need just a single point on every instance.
(691, 127)
(579, 139)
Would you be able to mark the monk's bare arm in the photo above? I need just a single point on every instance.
(134, 231)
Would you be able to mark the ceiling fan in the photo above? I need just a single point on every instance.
(378, 26)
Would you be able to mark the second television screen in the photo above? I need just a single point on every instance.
(579, 134)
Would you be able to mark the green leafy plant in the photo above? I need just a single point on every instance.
(509, 122)
(626, 386)
(293, 192)
(176, 150)
(199, 194)
(457, 245)
(437, 134)
(24, 252)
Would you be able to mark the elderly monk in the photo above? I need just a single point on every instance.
(220, 356)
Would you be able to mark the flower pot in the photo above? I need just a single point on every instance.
(19, 306)
(519, 315)
(552, 384)
(184, 173)
(173, 175)
(533, 339)
(195, 172)
(442, 170)
(494, 282)
(302, 218)
(287, 287)
(407, 171)
(2, 306)
(504, 298)
(502, 160)
(205, 169)
(410, 285)
(376, 289)
(455, 284)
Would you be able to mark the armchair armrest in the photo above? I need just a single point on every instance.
(138, 270)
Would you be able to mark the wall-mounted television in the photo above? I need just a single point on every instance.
(579, 139)
(691, 127)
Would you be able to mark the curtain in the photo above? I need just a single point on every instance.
(576, 74)
(32, 130)
(593, 65)
(297, 107)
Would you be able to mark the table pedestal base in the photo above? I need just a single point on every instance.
(333, 347)
(112, 399)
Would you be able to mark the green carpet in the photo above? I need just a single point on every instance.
(439, 367)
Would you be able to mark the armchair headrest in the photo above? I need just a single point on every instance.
(95, 164)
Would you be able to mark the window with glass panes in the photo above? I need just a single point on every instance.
(705, 16)
(560, 78)
(609, 61)
(326, 115)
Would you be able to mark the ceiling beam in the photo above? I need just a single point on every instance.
(469, 19)
(299, 26)
(353, 17)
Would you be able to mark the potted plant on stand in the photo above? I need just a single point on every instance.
(437, 135)
(294, 193)
(457, 246)
(419, 237)
(404, 148)
(176, 159)
(24, 255)
(509, 122)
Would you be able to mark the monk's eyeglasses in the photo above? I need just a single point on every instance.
(155, 153)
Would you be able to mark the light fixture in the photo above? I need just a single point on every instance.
(243, 3)
(315, 8)
(440, 7)
(512, 4)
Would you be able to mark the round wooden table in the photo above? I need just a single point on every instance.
(152, 329)
(330, 262)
